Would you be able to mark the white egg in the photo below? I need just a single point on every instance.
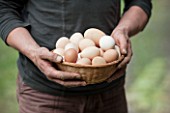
(84, 61)
(106, 42)
(61, 42)
(90, 52)
(59, 51)
(94, 34)
(71, 45)
(85, 43)
(76, 37)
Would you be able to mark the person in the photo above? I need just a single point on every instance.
(32, 27)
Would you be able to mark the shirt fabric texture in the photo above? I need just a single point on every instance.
(48, 20)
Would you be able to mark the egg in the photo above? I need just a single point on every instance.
(98, 60)
(84, 61)
(94, 34)
(110, 55)
(76, 37)
(70, 55)
(85, 43)
(94, 48)
(106, 42)
(61, 42)
(90, 52)
(71, 45)
(59, 51)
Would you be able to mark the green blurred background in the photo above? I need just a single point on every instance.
(147, 81)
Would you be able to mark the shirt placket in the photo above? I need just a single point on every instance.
(63, 18)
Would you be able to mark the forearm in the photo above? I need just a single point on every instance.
(133, 21)
(20, 39)
(10, 16)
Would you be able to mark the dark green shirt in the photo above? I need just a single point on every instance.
(48, 20)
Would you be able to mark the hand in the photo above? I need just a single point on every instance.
(43, 59)
(122, 40)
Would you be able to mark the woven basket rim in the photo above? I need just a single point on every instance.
(92, 66)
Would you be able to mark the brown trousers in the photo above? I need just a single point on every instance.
(33, 101)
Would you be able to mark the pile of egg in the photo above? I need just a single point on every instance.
(94, 48)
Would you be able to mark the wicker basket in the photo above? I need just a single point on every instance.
(90, 73)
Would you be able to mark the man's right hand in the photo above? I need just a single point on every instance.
(43, 59)
(21, 40)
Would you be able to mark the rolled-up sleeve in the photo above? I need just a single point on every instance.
(10, 16)
(146, 5)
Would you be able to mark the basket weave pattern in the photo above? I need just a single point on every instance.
(91, 74)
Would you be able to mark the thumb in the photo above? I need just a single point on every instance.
(51, 56)
(121, 41)
(54, 57)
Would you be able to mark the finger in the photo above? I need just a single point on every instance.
(70, 83)
(122, 41)
(43, 65)
(61, 77)
(55, 74)
(66, 78)
(51, 72)
(127, 59)
(44, 53)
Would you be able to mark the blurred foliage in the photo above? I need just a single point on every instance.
(147, 84)
(146, 92)
(8, 72)
(147, 79)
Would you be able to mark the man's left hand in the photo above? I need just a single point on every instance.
(122, 40)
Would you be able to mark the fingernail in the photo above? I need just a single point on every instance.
(59, 59)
